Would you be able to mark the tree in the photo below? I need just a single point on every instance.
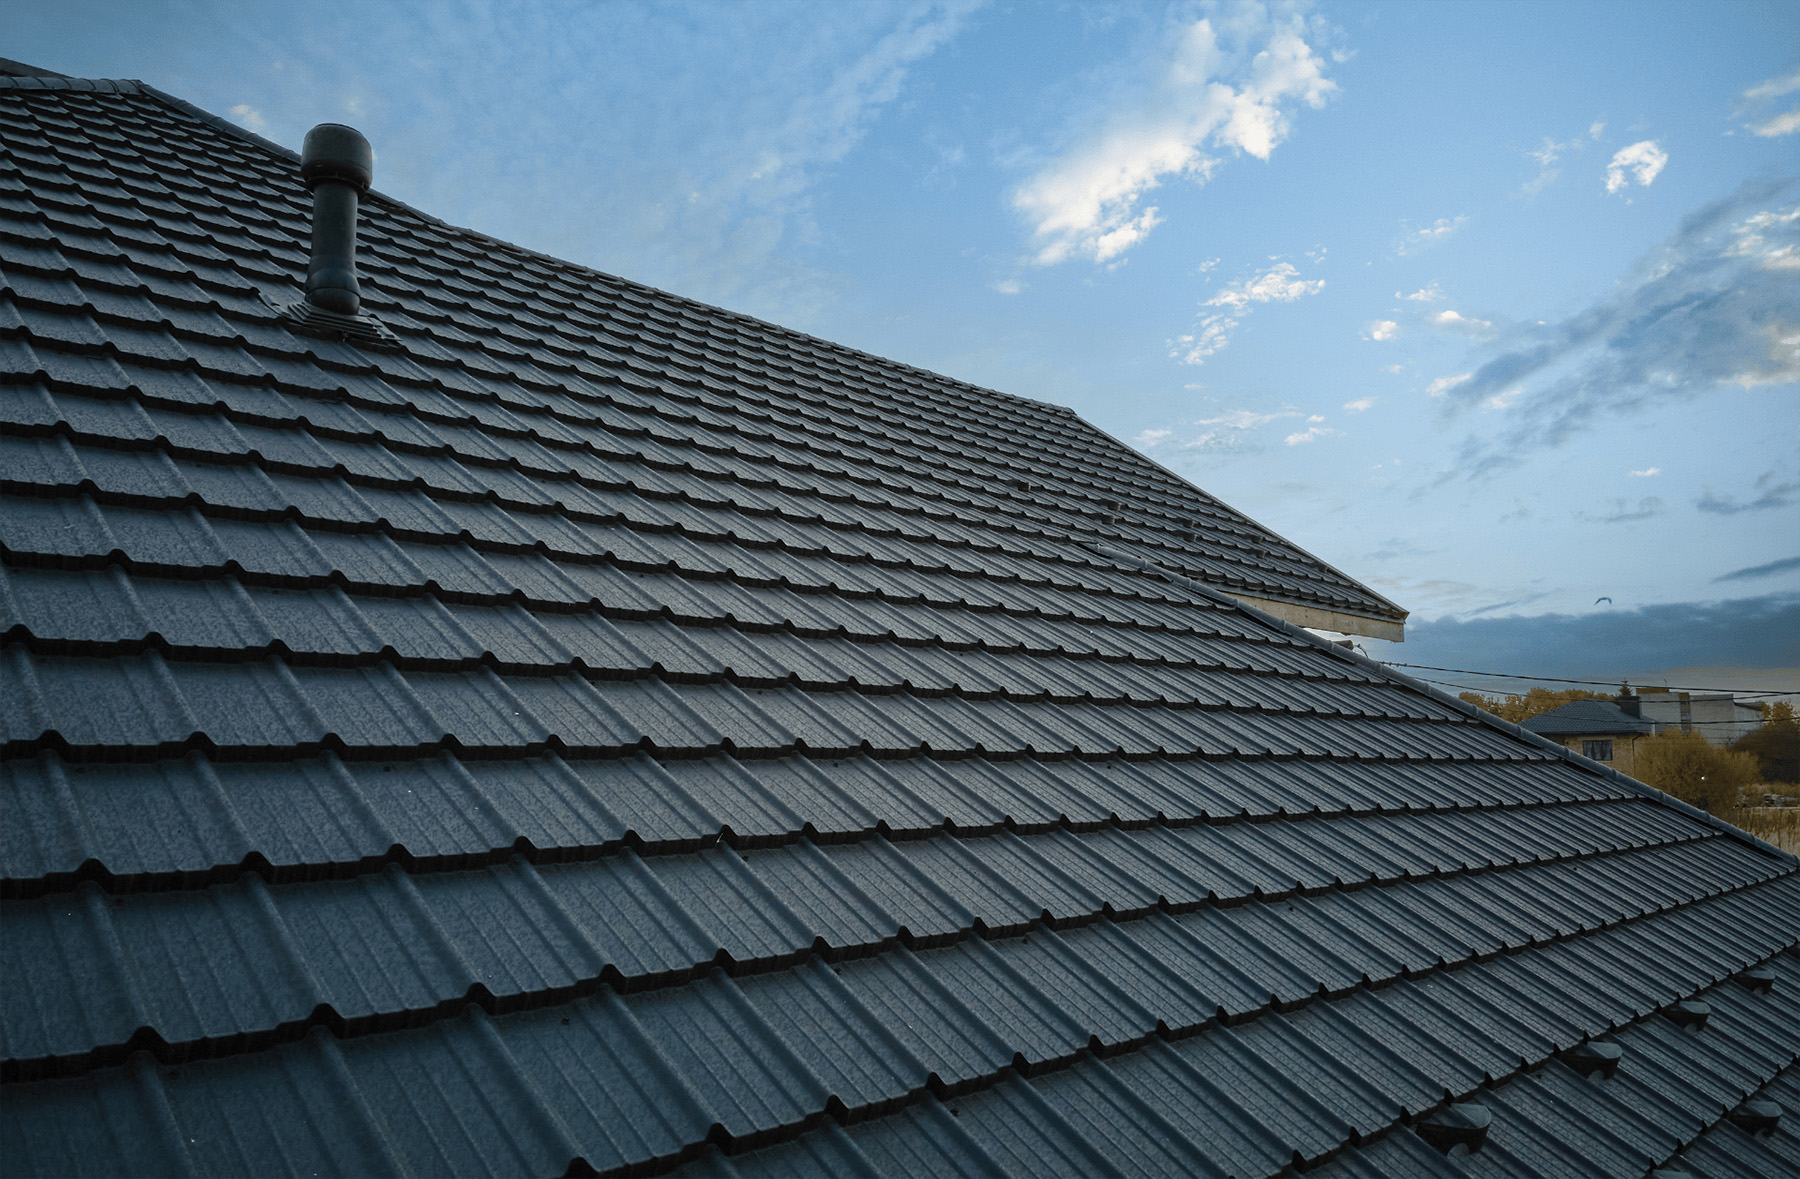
(1687, 766)
(1776, 745)
(1518, 709)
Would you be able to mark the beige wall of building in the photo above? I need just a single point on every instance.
(1624, 748)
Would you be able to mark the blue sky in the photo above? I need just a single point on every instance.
(1494, 306)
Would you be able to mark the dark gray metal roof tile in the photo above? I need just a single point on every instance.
(859, 1060)
(744, 1073)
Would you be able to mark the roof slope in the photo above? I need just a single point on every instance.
(1587, 716)
(609, 733)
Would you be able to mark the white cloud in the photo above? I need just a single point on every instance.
(1280, 283)
(1775, 87)
(1456, 321)
(1595, 128)
(1646, 473)
(1382, 329)
(249, 116)
(1393, 368)
(1302, 437)
(1360, 404)
(1752, 240)
(1551, 150)
(1224, 431)
(1430, 294)
(1246, 419)
(1208, 94)
(1782, 123)
(1786, 123)
(1642, 161)
(1009, 286)
(1437, 231)
(1443, 385)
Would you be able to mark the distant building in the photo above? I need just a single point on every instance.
(1601, 729)
(1718, 717)
(1609, 731)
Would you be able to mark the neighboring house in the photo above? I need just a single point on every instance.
(1599, 729)
(539, 725)
(1717, 716)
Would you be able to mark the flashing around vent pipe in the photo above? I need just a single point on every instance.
(338, 165)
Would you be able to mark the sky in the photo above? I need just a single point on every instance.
(1495, 307)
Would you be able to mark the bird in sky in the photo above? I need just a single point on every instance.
(1597, 601)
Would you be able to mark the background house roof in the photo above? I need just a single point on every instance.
(1587, 716)
(605, 732)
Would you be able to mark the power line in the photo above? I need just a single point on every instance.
(1669, 724)
(1550, 679)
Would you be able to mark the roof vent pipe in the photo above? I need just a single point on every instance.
(338, 165)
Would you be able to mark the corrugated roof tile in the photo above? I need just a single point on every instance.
(595, 639)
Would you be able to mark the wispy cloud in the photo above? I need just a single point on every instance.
(1009, 286)
(1646, 473)
(1550, 151)
(1705, 309)
(1456, 321)
(1228, 89)
(1431, 235)
(1623, 511)
(704, 142)
(1642, 162)
(1224, 431)
(1766, 493)
(1443, 385)
(1760, 95)
(1382, 330)
(1430, 294)
(1360, 404)
(249, 116)
(1221, 314)
(1312, 433)
(1752, 572)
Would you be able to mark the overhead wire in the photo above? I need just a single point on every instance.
(1549, 679)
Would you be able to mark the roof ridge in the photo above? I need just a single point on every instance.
(18, 69)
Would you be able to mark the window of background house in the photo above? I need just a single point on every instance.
(1598, 750)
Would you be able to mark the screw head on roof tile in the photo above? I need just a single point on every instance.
(1756, 1117)
(1760, 979)
(1689, 1013)
(1594, 1057)
(1461, 1123)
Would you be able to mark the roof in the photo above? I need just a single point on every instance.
(1587, 716)
(603, 732)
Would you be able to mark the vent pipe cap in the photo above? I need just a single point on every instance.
(1461, 1123)
(333, 151)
